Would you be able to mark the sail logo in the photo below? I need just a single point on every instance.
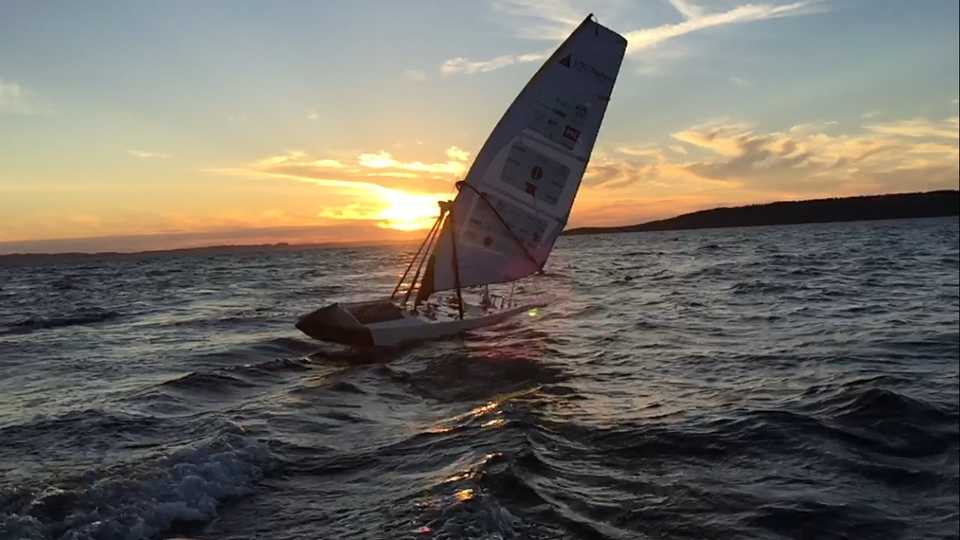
(580, 65)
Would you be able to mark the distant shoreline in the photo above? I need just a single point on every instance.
(29, 258)
(941, 203)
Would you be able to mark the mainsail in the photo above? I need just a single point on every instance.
(517, 196)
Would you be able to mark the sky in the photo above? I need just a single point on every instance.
(151, 125)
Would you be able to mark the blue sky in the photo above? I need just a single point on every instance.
(137, 118)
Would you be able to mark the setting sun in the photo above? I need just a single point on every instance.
(407, 212)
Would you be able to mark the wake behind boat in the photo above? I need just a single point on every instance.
(509, 210)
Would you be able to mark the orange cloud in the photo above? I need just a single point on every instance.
(730, 162)
(385, 160)
(143, 154)
(375, 187)
(919, 128)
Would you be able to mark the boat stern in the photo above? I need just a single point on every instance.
(335, 323)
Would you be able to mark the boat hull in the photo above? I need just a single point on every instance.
(351, 324)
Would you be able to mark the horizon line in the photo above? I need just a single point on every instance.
(347, 243)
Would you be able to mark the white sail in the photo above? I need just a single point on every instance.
(517, 196)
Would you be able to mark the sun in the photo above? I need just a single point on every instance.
(409, 212)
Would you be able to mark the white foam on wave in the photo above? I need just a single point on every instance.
(120, 503)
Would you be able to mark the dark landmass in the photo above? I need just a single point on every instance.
(863, 208)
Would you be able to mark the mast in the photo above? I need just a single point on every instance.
(456, 264)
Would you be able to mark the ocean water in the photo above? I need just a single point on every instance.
(774, 382)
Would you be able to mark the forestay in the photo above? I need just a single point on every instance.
(517, 196)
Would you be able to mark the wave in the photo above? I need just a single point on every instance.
(814, 519)
(286, 345)
(241, 377)
(208, 382)
(882, 404)
(761, 287)
(29, 325)
(470, 512)
(137, 500)
(77, 431)
(487, 375)
(572, 479)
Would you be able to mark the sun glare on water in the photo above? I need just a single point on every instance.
(406, 212)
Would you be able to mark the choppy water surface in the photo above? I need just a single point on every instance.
(779, 382)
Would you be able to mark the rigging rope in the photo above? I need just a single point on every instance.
(434, 234)
(415, 257)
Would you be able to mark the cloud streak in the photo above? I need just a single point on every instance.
(696, 20)
(735, 163)
(297, 157)
(15, 100)
(143, 154)
(372, 186)
(415, 75)
(686, 8)
(542, 19)
(919, 127)
(888, 157)
(365, 171)
(465, 66)
(557, 19)
(385, 160)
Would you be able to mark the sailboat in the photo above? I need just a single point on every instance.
(509, 210)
